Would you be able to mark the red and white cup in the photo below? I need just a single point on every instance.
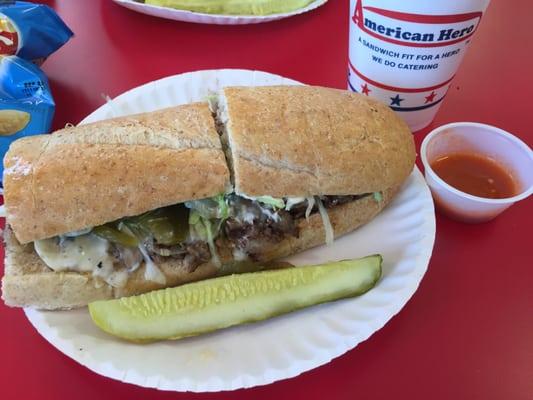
(406, 53)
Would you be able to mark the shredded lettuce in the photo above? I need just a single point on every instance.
(196, 226)
(212, 100)
(271, 201)
(206, 230)
(325, 220)
(274, 202)
(378, 197)
(205, 221)
(223, 208)
(213, 207)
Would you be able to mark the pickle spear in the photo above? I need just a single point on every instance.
(212, 304)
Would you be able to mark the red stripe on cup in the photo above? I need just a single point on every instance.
(425, 19)
(398, 89)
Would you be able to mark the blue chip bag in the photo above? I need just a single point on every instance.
(26, 104)
(30, 31)
(28, 34)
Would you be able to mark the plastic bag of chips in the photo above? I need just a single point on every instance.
(30, 31)
(28, 34)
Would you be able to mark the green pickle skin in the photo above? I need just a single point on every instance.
(167, 225)
(218, 303)
(111, 233)
(233, 7)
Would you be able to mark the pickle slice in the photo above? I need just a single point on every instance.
(167, 225)
(111, 233)
(218, 303)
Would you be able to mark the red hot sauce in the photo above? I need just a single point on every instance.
(476, 175)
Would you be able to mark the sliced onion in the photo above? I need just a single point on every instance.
(211, 243)
(325, 220)
(310, 205)
(151, 272)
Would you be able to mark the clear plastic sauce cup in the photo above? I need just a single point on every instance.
(482, 140)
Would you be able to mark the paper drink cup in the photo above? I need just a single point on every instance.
(406, 53)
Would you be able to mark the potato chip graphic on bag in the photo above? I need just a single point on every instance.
(9, 38)
(26, 104)
(13, 121)
(30, 31)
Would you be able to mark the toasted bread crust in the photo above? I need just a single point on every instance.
(28, 282)
(301, 141)
(96, 173)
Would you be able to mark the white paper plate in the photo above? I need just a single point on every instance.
(201, 18)
(279, 348)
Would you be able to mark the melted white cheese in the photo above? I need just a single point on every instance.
(85, 253)
(90, 253)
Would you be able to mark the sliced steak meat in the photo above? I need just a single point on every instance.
(130, 257)
(192, 253)
(252, 225)
(332, 201)
(298, 211)
(197, 253)
(155, 249)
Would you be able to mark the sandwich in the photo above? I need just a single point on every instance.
(137, 203)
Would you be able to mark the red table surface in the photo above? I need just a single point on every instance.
(467, 333)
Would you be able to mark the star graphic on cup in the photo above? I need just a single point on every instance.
(431, 97)
(365, 89)
(395, 101)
